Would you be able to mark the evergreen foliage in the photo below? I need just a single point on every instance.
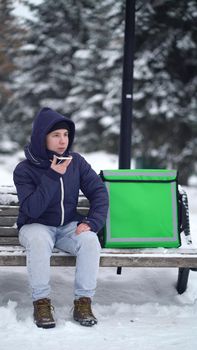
(165, 83)
(10, 41)
(71, 61)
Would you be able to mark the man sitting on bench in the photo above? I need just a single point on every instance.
(48, 184)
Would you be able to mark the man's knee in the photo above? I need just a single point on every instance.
(90, 240)
(35, 235)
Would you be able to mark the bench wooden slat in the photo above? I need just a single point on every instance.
(13, 211)
(7, 221)
(107, 260)
(9, 211)
(8, 232)
(9, 241)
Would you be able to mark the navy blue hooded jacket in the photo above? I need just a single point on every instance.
(49, 198)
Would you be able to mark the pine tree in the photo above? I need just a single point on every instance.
(165, 80)
(97, 84)
(47, 72)
(9, 45)
(72, 62)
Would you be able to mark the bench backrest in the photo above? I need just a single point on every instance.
(9, 211)
(9, 208)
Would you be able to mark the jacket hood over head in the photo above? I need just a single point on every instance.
(36, 150)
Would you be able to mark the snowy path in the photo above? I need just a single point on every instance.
(139, 309)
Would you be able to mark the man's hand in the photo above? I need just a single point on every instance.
(82, 228)
(61, 167)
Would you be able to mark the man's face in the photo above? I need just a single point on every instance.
(57, 141)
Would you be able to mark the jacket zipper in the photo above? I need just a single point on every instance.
(62, 201)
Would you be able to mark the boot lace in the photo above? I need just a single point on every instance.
(44, 309)
(84, 308)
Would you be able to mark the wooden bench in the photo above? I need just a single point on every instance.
(12, 254)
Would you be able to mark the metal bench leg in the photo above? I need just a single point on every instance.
(119, 270)
(182, 280)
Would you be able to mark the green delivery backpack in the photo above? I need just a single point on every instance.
(143, 209)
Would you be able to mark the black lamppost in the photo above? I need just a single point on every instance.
(127, 87)
(127, 91)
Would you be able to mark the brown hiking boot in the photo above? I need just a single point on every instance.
(43, 313)
(83, 313)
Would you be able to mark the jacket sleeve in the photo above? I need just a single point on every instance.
(95, 191)
(34, 199)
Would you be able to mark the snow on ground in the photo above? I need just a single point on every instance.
(139, 309)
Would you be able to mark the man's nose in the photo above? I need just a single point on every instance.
(62, 139)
